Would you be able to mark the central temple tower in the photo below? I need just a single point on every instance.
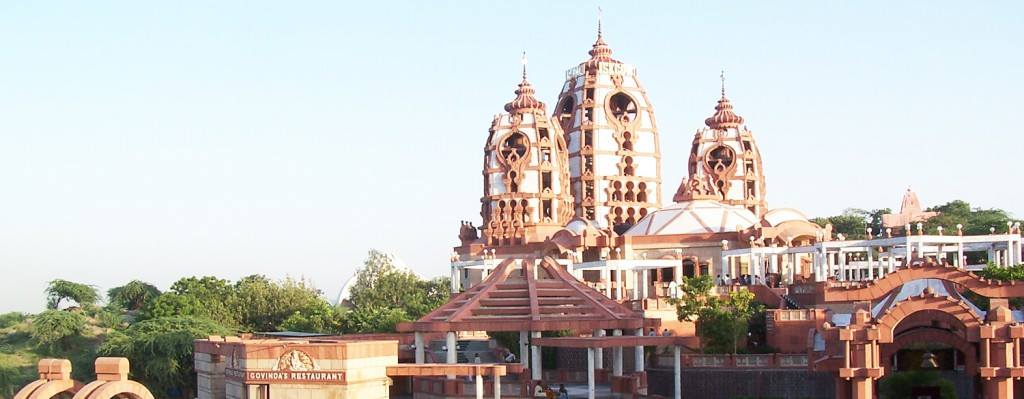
(614, 156)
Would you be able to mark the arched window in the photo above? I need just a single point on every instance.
(515, 147)
(623, 107)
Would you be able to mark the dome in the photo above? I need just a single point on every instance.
(694, 217)
(778, 216)
(724, 117)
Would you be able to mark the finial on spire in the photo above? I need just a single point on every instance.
(523, 60)
(599, 14)
(722, 76)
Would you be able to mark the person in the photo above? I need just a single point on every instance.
(562, 392)
(476, 358)
(718, 280)
(652, 333)
(666, 332)
(510, 357)
(728, 280)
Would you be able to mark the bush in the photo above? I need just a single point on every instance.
(11, 319)
(54, 329)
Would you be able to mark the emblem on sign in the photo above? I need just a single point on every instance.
(295, 360)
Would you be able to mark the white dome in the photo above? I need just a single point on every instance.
(777, 216)
(694, 217)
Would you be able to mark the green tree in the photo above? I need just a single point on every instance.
(161, 351)
(392, 294)
(55, 329)
(975, 221)
(132, 296)
(321, 318)
(10, 319)
(721, 321)
(60, 290)
(204, 297)
(263, 305)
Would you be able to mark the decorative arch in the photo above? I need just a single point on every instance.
(874, 290)
(891, 318)
(54, 379)
(112, 381)
(932, 335)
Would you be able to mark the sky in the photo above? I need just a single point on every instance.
(153, 141)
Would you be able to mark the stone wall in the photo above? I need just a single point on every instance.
(752, 383)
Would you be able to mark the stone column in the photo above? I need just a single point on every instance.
(827, 266)
(606, 275)
(497, 386)
(841, 259)
(591, 391)
(636, 289)
(998, 388)
(420, 349)
(455, 280)
(452, 355)
(479, 384)
(524, 348)
(646, 281)
(617, 356)
(535, 357)
(892, 259)
(773, 263)
(871, 265)
(863, 388)
(638, 352)
(598, 352)
(678, 368)
(619, 283)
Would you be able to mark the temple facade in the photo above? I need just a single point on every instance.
(572, 204)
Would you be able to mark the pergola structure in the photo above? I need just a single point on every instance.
(594, 345)
(531, 296)
(881, 255)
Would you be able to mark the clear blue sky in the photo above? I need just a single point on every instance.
(152, 141)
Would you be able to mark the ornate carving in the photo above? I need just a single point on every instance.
(295, 360)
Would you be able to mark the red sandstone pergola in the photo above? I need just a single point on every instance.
(531, 296)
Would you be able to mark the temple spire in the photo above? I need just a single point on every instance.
(523, 60)
(722, 76)
(599, 12)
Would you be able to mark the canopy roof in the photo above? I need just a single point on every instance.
(529, 295)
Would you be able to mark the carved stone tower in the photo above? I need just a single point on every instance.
(526, 178)
(725, 161)
(614, 156)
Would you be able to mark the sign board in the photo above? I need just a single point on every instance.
(285, 376)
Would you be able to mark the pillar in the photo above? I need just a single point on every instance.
(723, 269)
(524, 349)
(455, 280)
(773, 263)
(535, 358)
(998, 388)
(598, 352)
(638, 352)
(827, 266)
(606, 276)
(452, 356)
(591, 354)
(863, 388)
(479, 384)
(892, 259)
(960, 254)
(617, 356)
(841, 260)
(646, 281)
(678, 369)
(619, 284)
(636, 289)
(871, 265)
(420, 350)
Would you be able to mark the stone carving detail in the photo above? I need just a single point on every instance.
(295, 360)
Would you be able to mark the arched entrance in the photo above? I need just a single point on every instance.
(929, 357)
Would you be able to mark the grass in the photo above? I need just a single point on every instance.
(19, 355)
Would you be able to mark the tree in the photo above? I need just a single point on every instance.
(391, 295)
(132, 296)
(161, 350)
(321, 318)
(901, 384)
(60, 290)
(853, 222)
(206, 297)
(54, 329)
(721, 322)
(263, 305)
(975, 221)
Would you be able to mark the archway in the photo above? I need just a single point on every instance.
(54, 381)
